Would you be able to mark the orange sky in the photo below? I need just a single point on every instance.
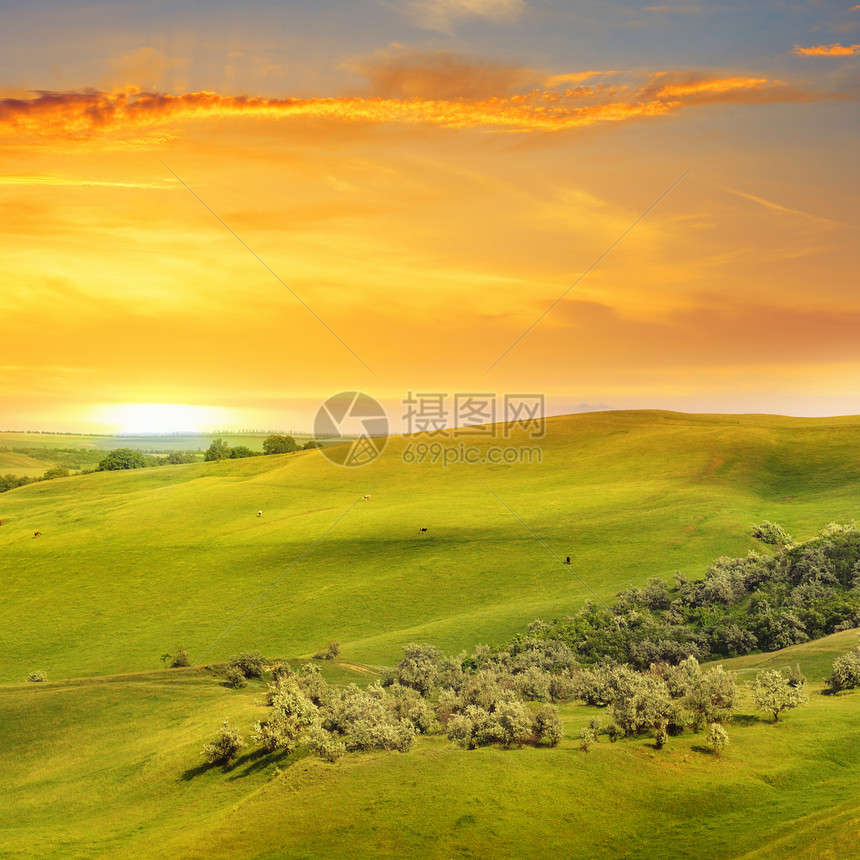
(428, 198)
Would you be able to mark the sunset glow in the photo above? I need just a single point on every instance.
(248, 216)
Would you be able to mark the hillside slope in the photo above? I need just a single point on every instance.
(131, 564)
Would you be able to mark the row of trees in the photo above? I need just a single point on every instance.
(485, 704)
(273, 444)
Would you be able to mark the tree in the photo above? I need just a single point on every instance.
(55, 472)
(277, 444)
(418, 668)
(711, 697)
(773, 692)
(224, 748)
(218, 450)
(122, 458)
(241, 451)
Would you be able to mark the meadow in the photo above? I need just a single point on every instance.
(104, 759)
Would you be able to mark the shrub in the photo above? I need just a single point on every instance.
(225, 747)
(846, 672)
(548, 726)
(614, 732)
(37, 677)
(326, 745)
(233, 677)
(180, 660)
(587, 738)
(251, 664)
(771, 533)
(330, 653)
(661, 738)
(718, 738)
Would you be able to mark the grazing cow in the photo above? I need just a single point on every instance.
(366, 498)
(38, 534)
(1, 522)
(423, 531)
(567, 560)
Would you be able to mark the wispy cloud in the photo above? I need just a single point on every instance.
(88, 113)
(777, 207)
(835, 50)
(441, 15)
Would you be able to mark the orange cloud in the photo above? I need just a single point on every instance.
(828, 50)
(87, 113)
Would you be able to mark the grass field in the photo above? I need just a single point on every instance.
(131, 564)
(111, 767)
(104, 760)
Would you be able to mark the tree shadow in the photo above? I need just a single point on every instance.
(189, 774)
(746, 719)
(258, 760)
(702, 750)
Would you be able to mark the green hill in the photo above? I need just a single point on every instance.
(130, 564)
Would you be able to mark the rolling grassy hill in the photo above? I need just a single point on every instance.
(130, 564)
(111, 768)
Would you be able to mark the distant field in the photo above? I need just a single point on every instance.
(21, 464)
(150, 444)
(130, 564)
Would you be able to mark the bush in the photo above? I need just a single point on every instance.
(548, 726)
(234, 677)
(330, 653)
(225, 747)
(177, 661)
(771, 533)
(846, 672)
(718, 738)
(37, 677)
(250, 664)
(587, 738)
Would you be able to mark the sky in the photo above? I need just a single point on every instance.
(219, 214)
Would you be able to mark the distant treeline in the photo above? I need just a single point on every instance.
(86, 461)
(758, 603)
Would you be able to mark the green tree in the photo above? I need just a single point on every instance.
(277, 444)
(772, 691)
(241, 451)
(122, 458)
(224, 748)
(218, 450)
(711, 697)
(55, 472)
